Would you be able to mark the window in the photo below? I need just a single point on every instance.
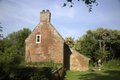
(38, 38)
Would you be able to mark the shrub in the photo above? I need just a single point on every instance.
(113, 64)
(49, 64)
(9, 72)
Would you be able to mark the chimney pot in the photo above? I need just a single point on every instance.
(43, 10)
(47, 10)
(45, 16)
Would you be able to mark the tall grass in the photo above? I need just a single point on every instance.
(113, 64)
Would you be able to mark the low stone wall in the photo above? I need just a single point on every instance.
(58, 74)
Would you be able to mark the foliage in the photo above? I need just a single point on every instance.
(10, 69)
(13, 46)
(11, 52)
(10, 59)
(15, 42)
(88, 3)
(1, 46)
(86, 44)
(98, 44)
(10, 72)
(49, 64)
(112, 64)
(70, 41)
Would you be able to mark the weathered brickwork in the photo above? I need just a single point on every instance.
(78, 61)
(51, 45)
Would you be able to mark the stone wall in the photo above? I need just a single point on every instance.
(78, 62)
(50, 47)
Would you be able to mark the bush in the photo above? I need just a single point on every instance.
(11, 69)
(49, 64)
(113, 64)
(42, 74)
(9, 72)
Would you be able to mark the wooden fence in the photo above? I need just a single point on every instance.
(58, 74)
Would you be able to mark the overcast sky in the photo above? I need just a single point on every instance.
(19, 14)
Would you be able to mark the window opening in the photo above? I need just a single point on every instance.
(38, 38)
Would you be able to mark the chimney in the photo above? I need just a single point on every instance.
(45, 16)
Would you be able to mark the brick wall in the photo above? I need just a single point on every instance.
(51, 45)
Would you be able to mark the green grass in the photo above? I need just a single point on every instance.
(98, 75)
(110, 71)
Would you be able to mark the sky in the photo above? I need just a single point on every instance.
(18, 14)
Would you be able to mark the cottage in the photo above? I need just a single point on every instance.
(45, 43)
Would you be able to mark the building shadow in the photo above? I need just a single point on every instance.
(66, 56)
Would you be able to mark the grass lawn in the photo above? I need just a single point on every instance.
(110, 71)
(97, 75)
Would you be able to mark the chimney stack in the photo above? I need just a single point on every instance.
(45, 16)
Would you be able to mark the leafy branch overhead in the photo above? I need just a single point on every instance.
(89, 3)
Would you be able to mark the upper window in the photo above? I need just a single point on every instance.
(38, 38)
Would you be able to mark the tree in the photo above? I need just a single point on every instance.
(108, 42)
(15, 42)
(86, 44)
(13, 46)
(88, 3)
(70, 41)
(1, 46)
(101, 44)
